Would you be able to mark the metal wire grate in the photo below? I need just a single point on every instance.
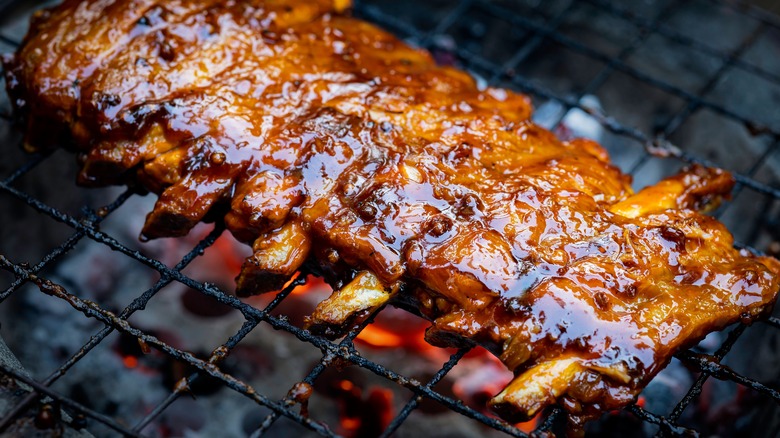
(537, 32)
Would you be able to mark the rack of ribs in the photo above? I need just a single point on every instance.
(326, 142)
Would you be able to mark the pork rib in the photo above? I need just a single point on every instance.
(323, 140)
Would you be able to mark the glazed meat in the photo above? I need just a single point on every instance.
(326, 142)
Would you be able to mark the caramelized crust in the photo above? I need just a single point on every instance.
(323, 140)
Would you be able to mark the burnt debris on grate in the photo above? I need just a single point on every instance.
(159, 346)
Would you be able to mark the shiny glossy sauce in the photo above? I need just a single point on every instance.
(269, 113)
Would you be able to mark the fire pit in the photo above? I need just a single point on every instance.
(107, 335)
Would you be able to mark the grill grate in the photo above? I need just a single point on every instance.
(536, 35)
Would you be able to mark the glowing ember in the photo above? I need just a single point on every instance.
(231, 253)
(312, 284)
(130, 361)
(368, 412)
(395, 328)
(485, 379)
(363, 416)
(378, 337)
(530, 425)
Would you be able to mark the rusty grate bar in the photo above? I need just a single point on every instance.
(86, 228)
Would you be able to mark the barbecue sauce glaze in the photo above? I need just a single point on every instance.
(325, 141)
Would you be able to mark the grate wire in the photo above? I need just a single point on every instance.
(684, 41)
(344, 350)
